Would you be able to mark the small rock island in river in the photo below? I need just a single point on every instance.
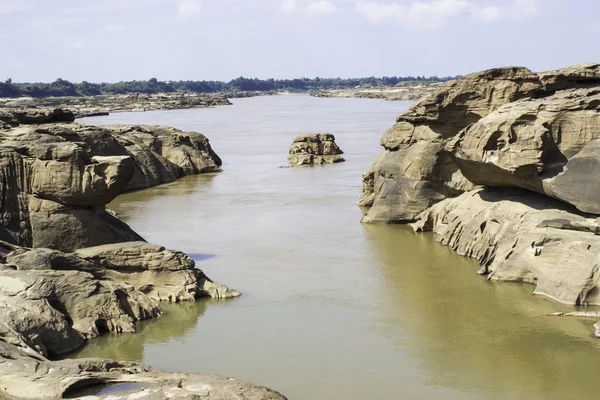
(70, 270)
(314, 149)
(504, 166)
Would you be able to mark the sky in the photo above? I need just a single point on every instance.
(114, 40)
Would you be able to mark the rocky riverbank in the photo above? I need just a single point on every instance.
(503, 165)
(105, 104)
(70, 270)
(90, 106)
(403, 93)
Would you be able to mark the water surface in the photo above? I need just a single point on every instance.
(331, 308)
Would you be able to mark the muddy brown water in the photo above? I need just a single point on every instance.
(331, 308)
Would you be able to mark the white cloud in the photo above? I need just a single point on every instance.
(322, 7)
(434, 13)
(114, 28)
(78, 44)
(288, 6)
(490, 13)
(423, 14)
(188, 8)
(518, 9)
(377, 12)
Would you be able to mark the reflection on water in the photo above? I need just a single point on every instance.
(477, 335)
(332, 309)
(175, 324)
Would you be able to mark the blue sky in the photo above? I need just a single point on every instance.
(112, 40)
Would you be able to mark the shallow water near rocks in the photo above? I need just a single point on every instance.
(332, 308)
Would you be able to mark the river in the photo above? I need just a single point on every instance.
(332, 308)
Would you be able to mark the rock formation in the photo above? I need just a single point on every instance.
(319, 148)
(427, 152)
(391, 93)
(28, 376)
(548, 145)
(55, 179)
(503, 165)
(520, 236)
(70, 271)
(89, 106)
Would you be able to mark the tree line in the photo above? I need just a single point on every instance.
(61, 87)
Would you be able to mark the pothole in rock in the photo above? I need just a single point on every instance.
(102, 389)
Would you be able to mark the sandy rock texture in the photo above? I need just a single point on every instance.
(484, 119)
(87, 106)
(520, 236)
(25, 375)
(57, 178)
(402, 93)
(314, 149)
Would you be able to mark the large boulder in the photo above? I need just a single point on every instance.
(314, 149)
(548, 145)
(418, 166)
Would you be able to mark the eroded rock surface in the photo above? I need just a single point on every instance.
(523, 237)
(27, 376)
(427, 152)
(55, 179)
(55, 300)
(314, 149)
(548, 145)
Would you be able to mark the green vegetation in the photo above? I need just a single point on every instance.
(61, 87)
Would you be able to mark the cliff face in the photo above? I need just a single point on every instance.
(481, 129)
(503, 165)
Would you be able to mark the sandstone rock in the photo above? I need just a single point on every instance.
(27, 376)
(164, 154)
(391, 93)
(421, 165)
(65, 306)
(164, 275)
(52, 301)
(576, 76)
(314, 149)
(520, 236)
(58, 178)
(48, 224)
(544, 145)
(17, 116)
